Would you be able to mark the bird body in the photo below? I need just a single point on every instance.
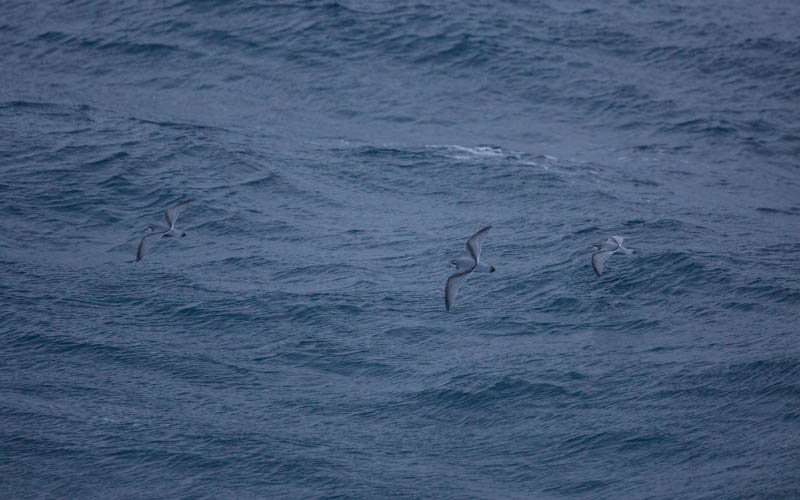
(159, 230)
(466, 265)
(605, 250)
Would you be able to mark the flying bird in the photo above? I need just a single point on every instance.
(605, 250)
(162, 230)
(466, 265)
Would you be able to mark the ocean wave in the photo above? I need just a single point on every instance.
(338, 154)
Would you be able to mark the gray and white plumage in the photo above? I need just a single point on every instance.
(159, 230)
(466, 265)
(605, 250)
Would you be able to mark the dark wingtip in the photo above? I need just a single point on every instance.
(183, 234)
(492, 269)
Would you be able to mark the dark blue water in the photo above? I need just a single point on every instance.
(295, 343)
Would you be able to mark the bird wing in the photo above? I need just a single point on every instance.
(142, 244)
(453, 282)
(616, 239)
(172, 213)
(475, 242)
(599, 260)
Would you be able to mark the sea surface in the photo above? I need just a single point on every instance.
(295, 344)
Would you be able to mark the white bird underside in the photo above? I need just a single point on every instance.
(466, 265)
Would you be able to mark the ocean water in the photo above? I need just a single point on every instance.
(295, 343)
